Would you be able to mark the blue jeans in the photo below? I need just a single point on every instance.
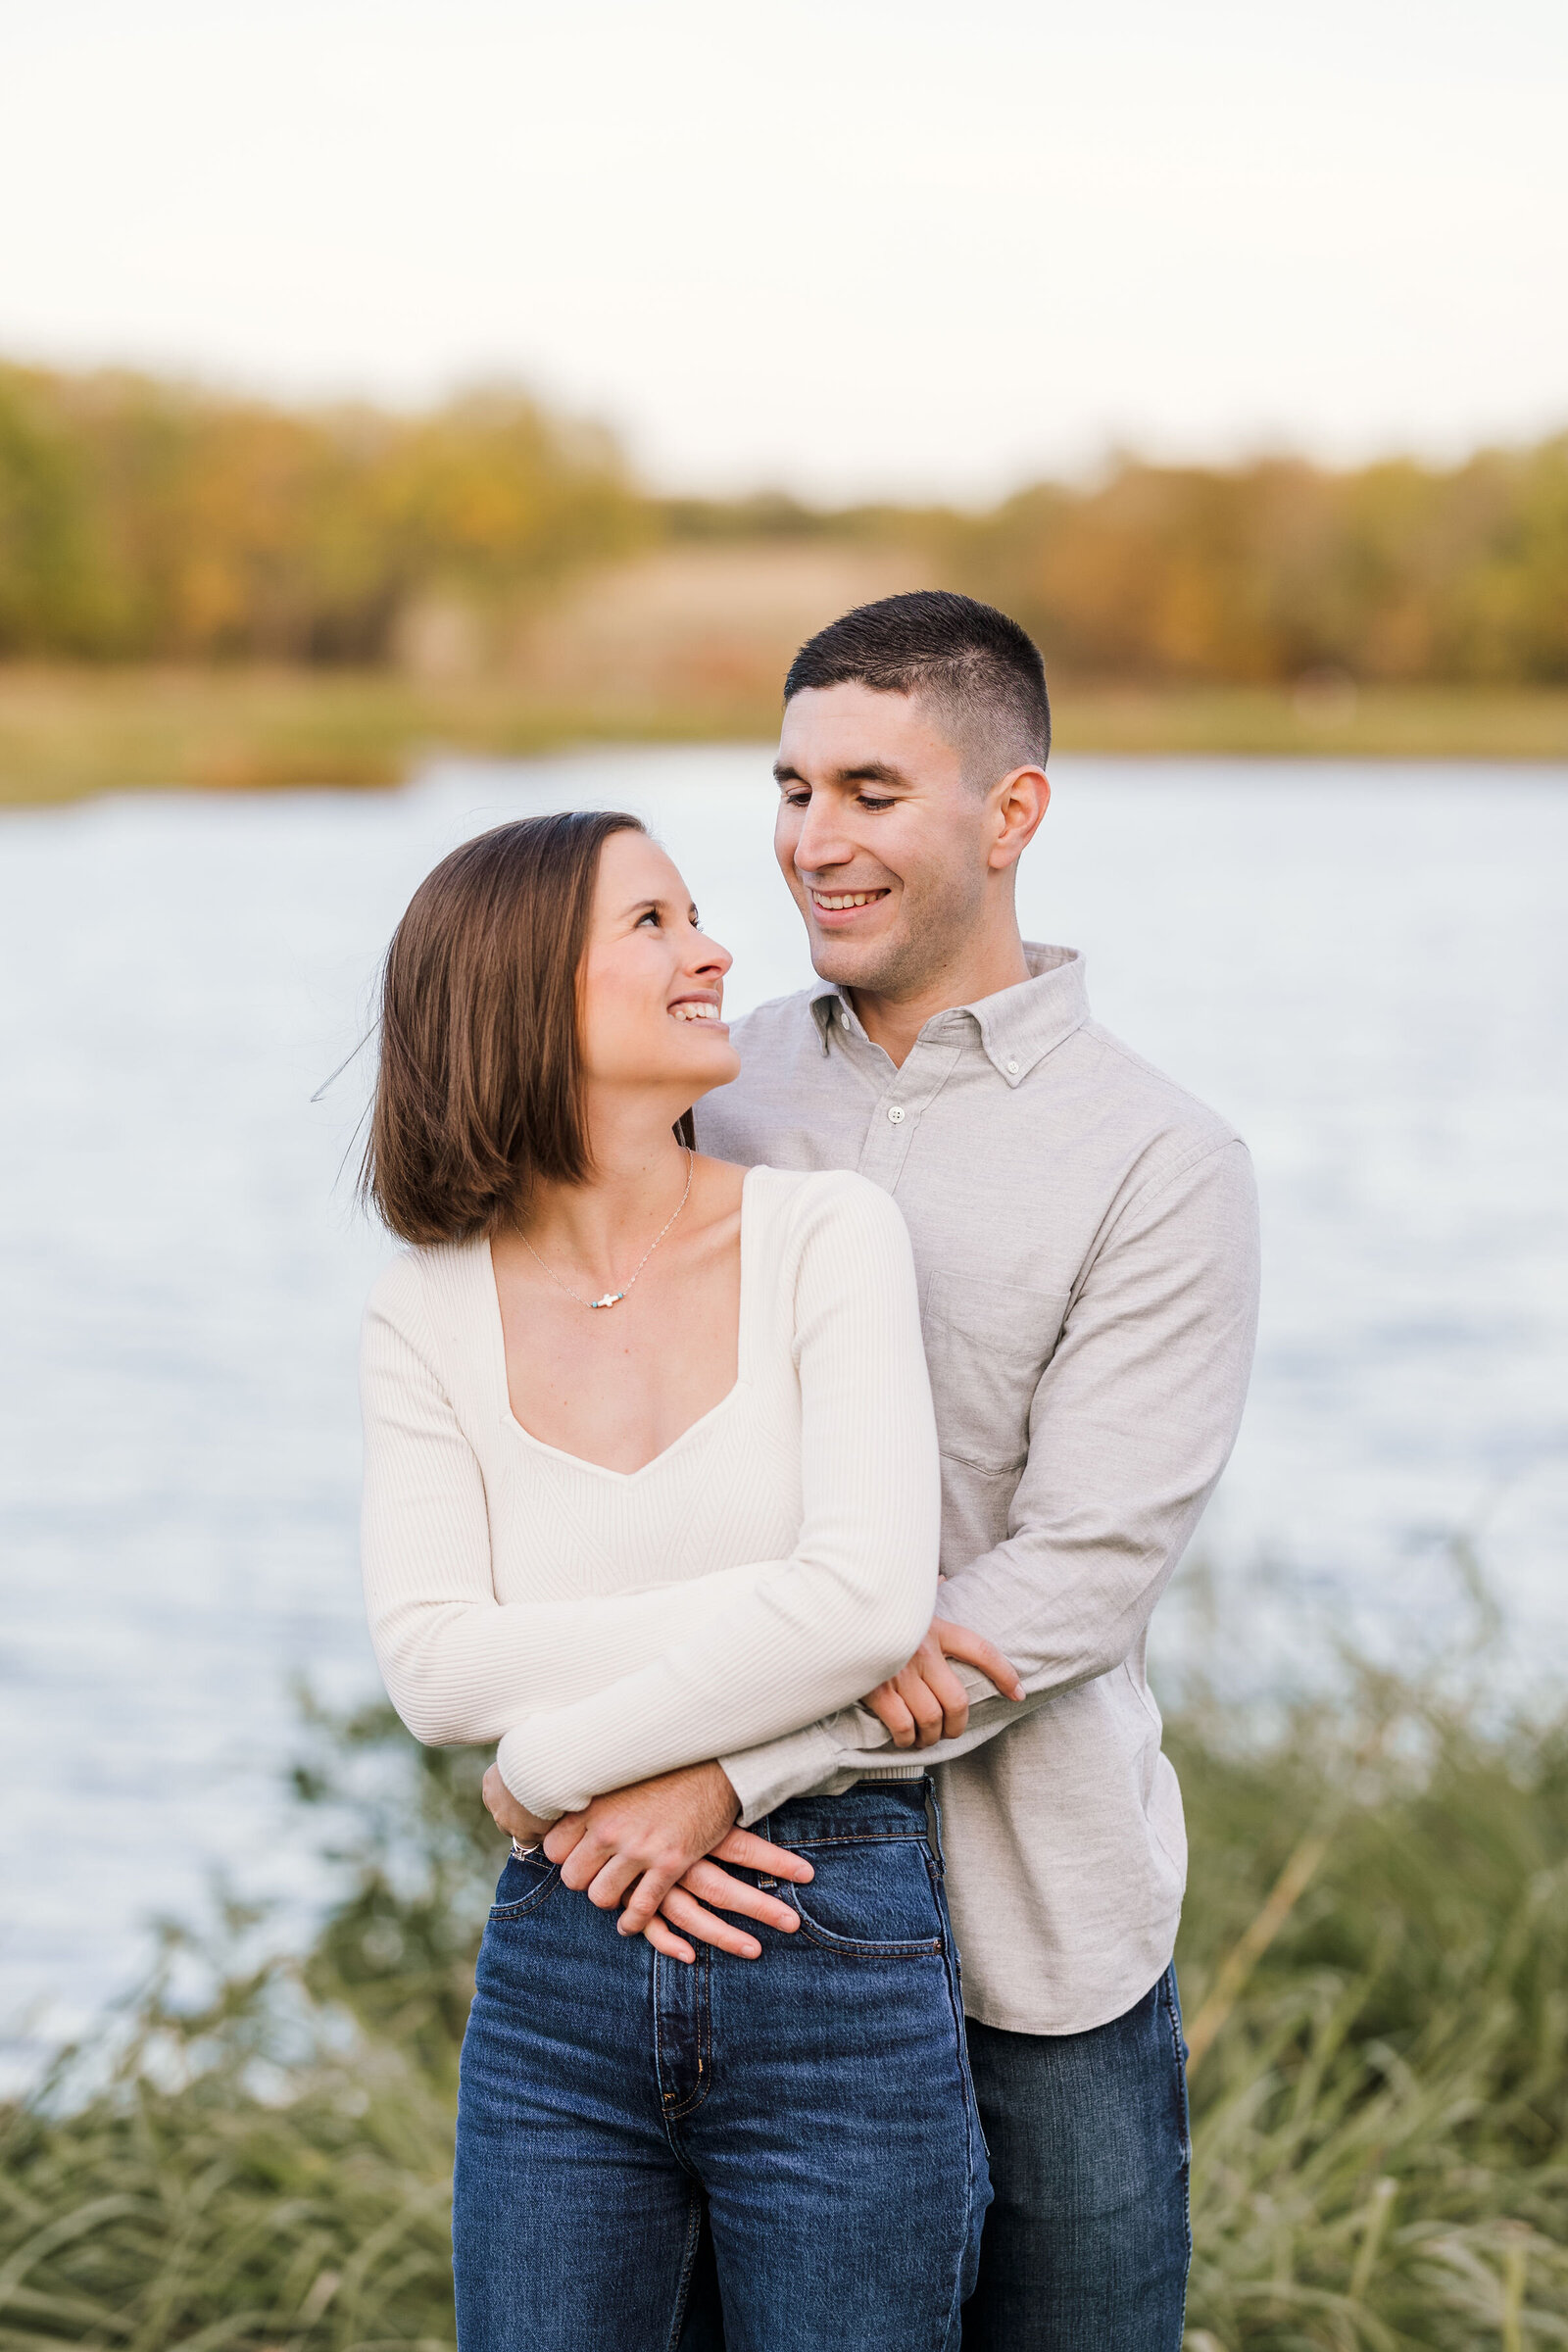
(1088, 2243)
(811, 2114)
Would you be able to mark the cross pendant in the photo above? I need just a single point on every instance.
(610, 1298)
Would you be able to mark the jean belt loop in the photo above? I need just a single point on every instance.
(764, 1828)
(933, 1826)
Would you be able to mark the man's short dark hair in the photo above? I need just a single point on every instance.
(982, 671)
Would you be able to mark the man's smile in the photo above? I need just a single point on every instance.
(844, 903)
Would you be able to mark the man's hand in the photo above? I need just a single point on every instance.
(632, 1846)
(925, 1701)
(678, 1827)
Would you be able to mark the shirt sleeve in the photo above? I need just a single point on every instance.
(458, 1663)
(1132, 1422)
(854, 1596)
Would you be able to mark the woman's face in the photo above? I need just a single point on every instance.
(651, 984)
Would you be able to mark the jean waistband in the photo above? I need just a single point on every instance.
(869, 1810)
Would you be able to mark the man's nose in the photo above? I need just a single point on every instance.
(821, 843)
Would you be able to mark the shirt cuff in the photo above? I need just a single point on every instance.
(767, 1776)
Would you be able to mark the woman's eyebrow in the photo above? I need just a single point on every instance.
(659, 907)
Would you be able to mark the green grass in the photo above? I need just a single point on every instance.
(1375, 1971)
(67, 733)
(1381, 2111)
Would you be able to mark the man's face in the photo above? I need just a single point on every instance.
(881, 837)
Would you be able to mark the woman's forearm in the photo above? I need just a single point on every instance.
(464, 1670)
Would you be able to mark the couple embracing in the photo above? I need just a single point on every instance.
(777, 1444)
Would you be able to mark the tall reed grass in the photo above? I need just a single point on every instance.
(1373, 1964)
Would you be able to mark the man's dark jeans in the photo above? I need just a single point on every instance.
(1087, 2245)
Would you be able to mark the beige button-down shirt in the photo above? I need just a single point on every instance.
(1086, 1241)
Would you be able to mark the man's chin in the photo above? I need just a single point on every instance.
(834, 959)
(855, 963)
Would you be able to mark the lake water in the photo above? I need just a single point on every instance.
(1366, 966)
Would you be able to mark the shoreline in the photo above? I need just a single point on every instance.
(68, 733)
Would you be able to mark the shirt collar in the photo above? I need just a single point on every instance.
(1016, 1027)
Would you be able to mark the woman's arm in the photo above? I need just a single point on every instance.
(851, 1601)
(460, 1665)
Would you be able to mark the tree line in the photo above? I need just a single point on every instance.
(142, 519)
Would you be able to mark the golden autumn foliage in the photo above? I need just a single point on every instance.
(1393, 573)
(142, 520)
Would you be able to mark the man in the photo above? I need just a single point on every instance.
(1084, 1234)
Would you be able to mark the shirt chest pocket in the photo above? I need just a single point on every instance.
(987, 1344)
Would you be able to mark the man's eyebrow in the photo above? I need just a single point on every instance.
(868, 771)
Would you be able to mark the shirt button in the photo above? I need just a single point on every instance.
(1012, 1069)
(896, 1113)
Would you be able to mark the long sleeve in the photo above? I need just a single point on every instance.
(458, 1664)
(1132, 1422)
(850, 1602)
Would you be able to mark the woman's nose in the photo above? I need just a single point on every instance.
(709, 956)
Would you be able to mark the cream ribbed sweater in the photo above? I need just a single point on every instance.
(772, 1564)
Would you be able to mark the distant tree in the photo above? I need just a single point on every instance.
(55, 595)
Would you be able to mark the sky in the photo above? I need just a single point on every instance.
(871, 248)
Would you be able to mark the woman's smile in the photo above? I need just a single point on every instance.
(698, 1008)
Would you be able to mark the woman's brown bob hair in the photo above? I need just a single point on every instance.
(479, 1091)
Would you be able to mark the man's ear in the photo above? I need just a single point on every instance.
(1018, 804)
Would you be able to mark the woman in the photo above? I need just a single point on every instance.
(652, 1477)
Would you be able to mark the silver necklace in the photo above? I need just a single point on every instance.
(615, 1297)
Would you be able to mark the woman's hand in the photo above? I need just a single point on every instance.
(515, 1820)
(925, 1701)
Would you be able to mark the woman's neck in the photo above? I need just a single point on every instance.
(639, 1175)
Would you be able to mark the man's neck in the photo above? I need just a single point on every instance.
(894, 1022)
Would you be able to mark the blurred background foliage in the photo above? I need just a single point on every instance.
(142, 521)
(257, 2152)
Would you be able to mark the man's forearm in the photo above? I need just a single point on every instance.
(828, 1755)
(1064, 1615)
(1133, 1421)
